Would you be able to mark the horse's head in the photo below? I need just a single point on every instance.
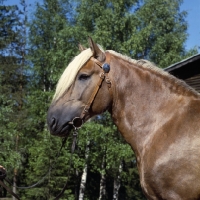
(82, 91)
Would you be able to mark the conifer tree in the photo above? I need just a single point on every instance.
(12, 81)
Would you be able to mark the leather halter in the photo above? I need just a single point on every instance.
(77, 122)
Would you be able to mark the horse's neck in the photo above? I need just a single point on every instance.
(142, 103)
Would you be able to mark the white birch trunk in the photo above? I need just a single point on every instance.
(102, 193)
(117, 184)
(84, 175)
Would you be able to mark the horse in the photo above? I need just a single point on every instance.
(156, 113)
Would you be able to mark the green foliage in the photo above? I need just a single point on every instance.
(161, 33)
(12, 82)
(131, 28)
(109, 23)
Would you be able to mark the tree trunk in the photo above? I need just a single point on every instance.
(117, 184)
(84, 175)
(102, 193)
(15, 171)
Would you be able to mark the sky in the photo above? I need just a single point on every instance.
(193, 20)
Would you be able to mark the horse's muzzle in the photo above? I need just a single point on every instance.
(64, 130)
(59, 130)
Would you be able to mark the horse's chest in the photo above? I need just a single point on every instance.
(168, 174)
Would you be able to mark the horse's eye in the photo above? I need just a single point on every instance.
(83, 77)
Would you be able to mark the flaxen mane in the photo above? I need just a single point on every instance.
(72, 69)
(154, 69)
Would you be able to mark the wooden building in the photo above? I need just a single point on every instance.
(187, 70)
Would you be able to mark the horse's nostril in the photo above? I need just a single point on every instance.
(53, 123)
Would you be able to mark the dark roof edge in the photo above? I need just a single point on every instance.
(182, 63)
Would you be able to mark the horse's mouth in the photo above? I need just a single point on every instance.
(64, 131)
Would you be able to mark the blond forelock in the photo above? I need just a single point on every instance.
(70, 72)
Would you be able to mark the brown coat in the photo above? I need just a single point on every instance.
(157, 114)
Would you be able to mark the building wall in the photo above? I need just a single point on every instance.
(194, 82)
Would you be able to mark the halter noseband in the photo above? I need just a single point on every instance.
(77, 122)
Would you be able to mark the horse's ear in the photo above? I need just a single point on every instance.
(81, 47)
(97, 53)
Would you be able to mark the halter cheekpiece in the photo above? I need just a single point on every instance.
(77, 122)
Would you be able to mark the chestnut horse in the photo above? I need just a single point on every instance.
(157, 114)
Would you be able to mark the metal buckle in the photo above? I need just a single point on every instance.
(102, 75)
(86, 109)
(108, 82)
(77, 122)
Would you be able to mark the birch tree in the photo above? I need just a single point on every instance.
(84, 175)
(117, 183)
(102, 189)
